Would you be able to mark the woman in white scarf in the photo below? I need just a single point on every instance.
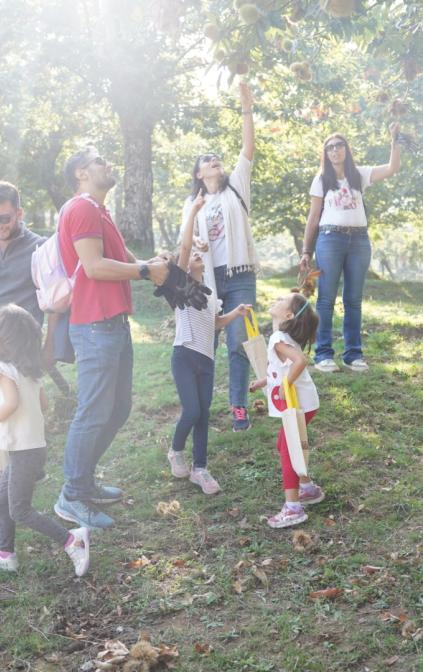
(224, 237)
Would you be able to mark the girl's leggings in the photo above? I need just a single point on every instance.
(17, 484)
(290, 480)
(193, 374)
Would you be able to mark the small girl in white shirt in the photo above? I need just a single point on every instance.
(22, 402)
(294, 328)
(193, 366)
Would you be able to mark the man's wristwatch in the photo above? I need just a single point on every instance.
(144, 271)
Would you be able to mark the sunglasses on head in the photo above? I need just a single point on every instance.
(98, 160)
(6, 219)
(207, 158)
(335, 145)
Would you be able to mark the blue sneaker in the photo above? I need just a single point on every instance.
(105, 494)
(82, 513)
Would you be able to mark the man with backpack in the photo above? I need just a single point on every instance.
(92, 248)
(17, 244)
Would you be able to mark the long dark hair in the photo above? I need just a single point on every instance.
(302, 328)
(198, 184)
(328, 175)
(20, 340)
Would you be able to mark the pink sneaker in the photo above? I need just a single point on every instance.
(288, 517)
(205, 480)
(311, 495)
(178, 466)
(79, 550)
(8, 561)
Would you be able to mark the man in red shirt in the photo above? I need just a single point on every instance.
(99, 331)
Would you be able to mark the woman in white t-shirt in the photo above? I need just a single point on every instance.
(223, 234)
(338, 217)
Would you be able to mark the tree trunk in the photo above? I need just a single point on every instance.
(136, 220)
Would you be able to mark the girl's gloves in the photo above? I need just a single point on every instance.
(181, 290)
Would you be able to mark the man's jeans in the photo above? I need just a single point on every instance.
(239, 288)
(104, 363)
(336, 253)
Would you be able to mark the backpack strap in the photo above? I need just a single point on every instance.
(239, 197)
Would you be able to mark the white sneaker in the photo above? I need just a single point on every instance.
(358, 365)
(178, 466)
(79, 550)
(327, 366)
(8, 561)
(205, 480)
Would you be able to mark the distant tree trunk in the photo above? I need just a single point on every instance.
(136, 220)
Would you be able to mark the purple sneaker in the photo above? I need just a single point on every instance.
(311, 495)
(288, 517)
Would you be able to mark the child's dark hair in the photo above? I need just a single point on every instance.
(302, 328)
(20, 340)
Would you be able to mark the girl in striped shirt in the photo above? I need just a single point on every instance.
(193, 366)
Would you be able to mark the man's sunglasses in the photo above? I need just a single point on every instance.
(334, 145)
(6, 219)
(98, 160)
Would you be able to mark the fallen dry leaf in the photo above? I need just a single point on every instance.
(239, 586)
(179, 562)
(399, 616)
(244, 524)
(371, 569)
(203, 649)
(408, 629)
(168, 509)
(261, 575)
(244, 541)
(326, 593)
(302, 541)
(235, 512)
(141, 562)
(391, 661)
(418, 635)
(329, 522)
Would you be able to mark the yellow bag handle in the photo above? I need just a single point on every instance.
(251, 325)
(290, 394)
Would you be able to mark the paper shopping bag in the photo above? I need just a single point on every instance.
(295, 428)
(255, 346)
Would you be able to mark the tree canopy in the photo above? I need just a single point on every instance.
(150, 82)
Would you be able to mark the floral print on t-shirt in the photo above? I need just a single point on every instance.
(215, 224)
(343, 199)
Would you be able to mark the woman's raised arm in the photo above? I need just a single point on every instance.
(380, 173)
(248, 142)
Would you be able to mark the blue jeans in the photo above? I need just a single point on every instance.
(336, 253)
(193, 374)
(104, 361)
(239, 288)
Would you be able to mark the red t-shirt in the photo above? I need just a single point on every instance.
(93, 300)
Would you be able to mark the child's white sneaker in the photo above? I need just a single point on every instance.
(8, 561)
(79, 550)
(288, 517)
(178, 466)
(205, 480)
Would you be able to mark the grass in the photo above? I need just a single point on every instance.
(368, 438)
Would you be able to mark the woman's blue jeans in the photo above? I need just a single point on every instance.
(348, 254)
(233, 290)
(104, 361)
